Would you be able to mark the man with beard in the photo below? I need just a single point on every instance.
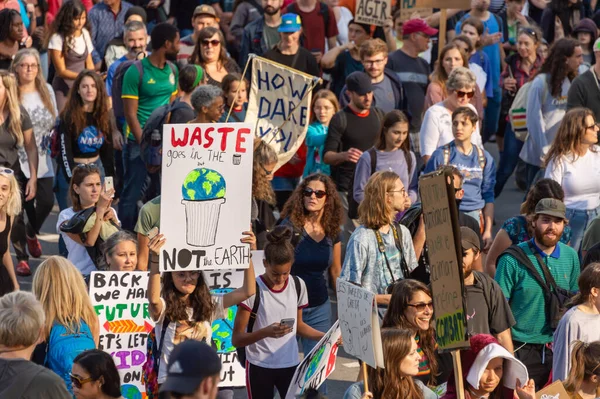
(261, 35)
(144, 89)
(487, 309)
(533, 333)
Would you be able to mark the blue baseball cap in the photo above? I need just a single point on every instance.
(290, 23)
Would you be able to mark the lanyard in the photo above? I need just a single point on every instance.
(381, 246)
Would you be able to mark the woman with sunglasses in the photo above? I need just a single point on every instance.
(521, 66)
(10, 207)
(211, 54)
(574, 162)
(95, 376)
(263, 196)
(436, 129)
(314, 212)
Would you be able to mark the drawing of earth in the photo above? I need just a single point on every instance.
(313, 366)
(222, 329)
(130, 392)
(203, 184)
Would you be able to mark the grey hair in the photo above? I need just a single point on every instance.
(204, 96)
(110, 244)
(134, 26)
(461, 78)
(21, 319)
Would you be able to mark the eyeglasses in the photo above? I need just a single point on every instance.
(78, 382)
(267, 172)
(421, 306)
(29, 66)
(374, 62)
(403, 191)
(594, 126)
(468, 94)
(6, 171)
(213, 42)
(308, 192)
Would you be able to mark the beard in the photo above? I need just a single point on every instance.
(271, 11)
(171, 56)
(540, 236)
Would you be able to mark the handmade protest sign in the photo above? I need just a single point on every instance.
(119, 299)
(440, 215)
(409, 7)
(372, 12)
(359, 323)
(206, 195)
(279, 106)
(556, 390)
(317, 365)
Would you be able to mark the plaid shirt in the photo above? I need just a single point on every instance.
(522, 77)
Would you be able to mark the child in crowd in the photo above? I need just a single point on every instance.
(235, 89)
(324, 106)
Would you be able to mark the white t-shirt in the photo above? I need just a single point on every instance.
(43, 123)
(79, 44)
(78, 255)
(436, 129)
(580, 179)
(276, 353)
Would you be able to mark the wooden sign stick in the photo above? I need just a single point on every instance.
(442, 30)
(458, 377)
(365, 377)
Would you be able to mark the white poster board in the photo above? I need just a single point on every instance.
(206, 196)
(359, 323)
(317, 365)
(275, 92)
(119, 299)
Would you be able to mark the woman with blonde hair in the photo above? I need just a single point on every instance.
(379, 252)
(71, 322)
(37, 97)
(10, 206)
(573, 161)
(263, 196)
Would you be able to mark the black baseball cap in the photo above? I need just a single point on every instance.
(189, 364)
(359, 83)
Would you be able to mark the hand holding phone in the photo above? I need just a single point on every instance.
(108, 184)
(289, 323)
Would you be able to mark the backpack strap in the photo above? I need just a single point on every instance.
(373, 155)
(163, 332)
(254, 309)
(140, 68)
(481, 157)
(298, 286)
(446, 150)
(520, 256)
(325, 14)
(547, 276)
(398, 240)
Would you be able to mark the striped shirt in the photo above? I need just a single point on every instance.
(526, 297)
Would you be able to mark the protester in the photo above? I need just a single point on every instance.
(208, 103)
(94, 376)
(181, 109)
(148, 219)
(518, 229)
(379, 252)
(525, 294)
(235, 89)
(580, 94)
(263, 196)
(559, 19)
(37, 97)
(583, 376)
(11, 36)
(436, 129)
(135, 40)
(117, 47)
(592, 255)
(21, 320)
(10, 207)
(391, 152)
(211, 54)
(245, 12)
(547, 103)
(119, 253)
(477, 167)
(260, 35)
(192, 378)
(203, 16)
(107, 20)
(473, 29)
(71, 323)
(271, 347)
(591, 236)
(586, 32)
(315, 214)
(513, 20)
(401, 365)
(580, 323)
(70, 46)
(324, 106)
(572, 161)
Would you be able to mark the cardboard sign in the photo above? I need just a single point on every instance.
(279, 106)
(359, 323)
(206, 196)
(440, 215)
(409, 7)
(119, 299)
(317, 365)
(372, 12)
(556, 390)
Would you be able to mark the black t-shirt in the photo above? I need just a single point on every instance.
(360, 132)
(23, 379)
(488, 311)
(183, 115)
(344, 66)
(9, 152)
(303, 61)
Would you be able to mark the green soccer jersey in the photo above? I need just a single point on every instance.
(156, 89)
(526, 297)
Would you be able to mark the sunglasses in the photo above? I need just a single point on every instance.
(88, 166)
(78, 382)
(468, 94)
(308, 192)
(6, 171)
(208, 42)
(421, 306)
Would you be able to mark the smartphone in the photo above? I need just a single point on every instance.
(287, 322)
(152, 233)
(108, 183)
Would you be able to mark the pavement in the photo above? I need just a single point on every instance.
(346, 370)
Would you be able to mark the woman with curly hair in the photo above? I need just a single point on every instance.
(547, 102)
(314, 212)
(263, 196)
(183, 307)
(211, 54)
(70, 47)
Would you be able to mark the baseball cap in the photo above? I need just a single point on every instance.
(551, 207)
(205, 9)
(418, 25)
(469, 239)
(290, 23)
(189, 364)
(359, 83)
(597, 45)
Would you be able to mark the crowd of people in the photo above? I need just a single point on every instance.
(85, 84)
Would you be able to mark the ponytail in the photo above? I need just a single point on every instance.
(589, 278)
(585, 362)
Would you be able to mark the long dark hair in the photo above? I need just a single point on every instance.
(588, 279)
(332, 212)
(544, 188)
(63, 23)
(207, 33)
(100, 364)
(73, 115)
(6, 17)
(199, 300)
(554, 66)
(391, 118)
(80, 172)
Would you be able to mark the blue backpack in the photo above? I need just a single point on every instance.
(63, 347)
